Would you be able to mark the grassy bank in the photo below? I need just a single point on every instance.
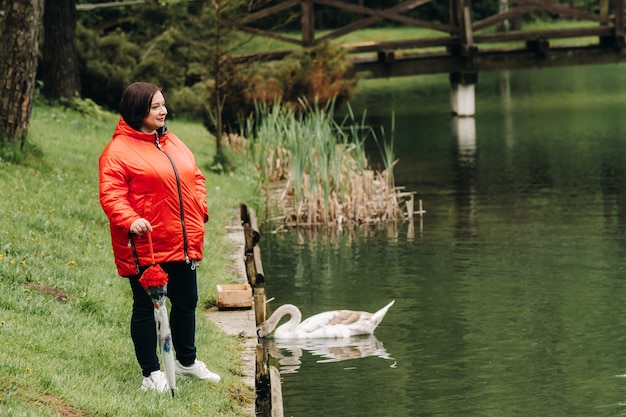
(64, 312)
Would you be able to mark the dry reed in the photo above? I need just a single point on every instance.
(315, 172)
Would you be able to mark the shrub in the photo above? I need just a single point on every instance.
(187, 102)
(163, 62)
(316, 75)
(106, 65)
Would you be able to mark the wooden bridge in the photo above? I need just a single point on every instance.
(462, 47)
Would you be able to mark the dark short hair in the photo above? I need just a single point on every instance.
(136, 101)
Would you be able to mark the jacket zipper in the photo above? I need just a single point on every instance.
(180, 197)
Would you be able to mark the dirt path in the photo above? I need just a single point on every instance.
(239, 323)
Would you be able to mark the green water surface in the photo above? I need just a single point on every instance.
(511, 294)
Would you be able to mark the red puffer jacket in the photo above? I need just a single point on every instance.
(157, 179)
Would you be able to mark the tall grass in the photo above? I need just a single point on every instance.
(321, 167)
(386, 148)
(64, 312)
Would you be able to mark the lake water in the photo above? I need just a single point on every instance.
(511, 293)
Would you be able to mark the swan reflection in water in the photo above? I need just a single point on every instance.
(289, 352)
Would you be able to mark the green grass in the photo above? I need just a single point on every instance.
(64, 311)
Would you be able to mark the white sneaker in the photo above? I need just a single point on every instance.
(155, 382)
(197, 370)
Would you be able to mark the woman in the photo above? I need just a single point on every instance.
(149, 183)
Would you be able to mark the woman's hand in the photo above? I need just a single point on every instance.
(140, 226)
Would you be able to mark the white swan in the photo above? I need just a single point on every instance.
(330, 324)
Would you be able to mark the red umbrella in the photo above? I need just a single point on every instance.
(154, 281)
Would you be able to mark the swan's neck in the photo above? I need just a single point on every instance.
(285, 310)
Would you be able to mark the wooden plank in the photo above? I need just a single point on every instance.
(529, 35)
(393, 16)
(363, 23)
(575, 13)
(514, 36)
(277, 392)
(442, 63)
(501, 17)
(268, 34)
(431, 63)
(234, 296)
(402, 44)
(268, 12)
(531, 6)
(258, 56)
(520, 59)
(359, 48)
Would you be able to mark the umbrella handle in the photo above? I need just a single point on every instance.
(150, 245)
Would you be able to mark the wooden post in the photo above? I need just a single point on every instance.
(604, 9)
(467, 48)
(462, 83)
(453, 12)
(503, 8)
(410, 204)
(262, 383)
(619, 18)
(467, 34)
(254, 225)
(308, 22)
(464, 100)
(250, 269)
(462, 95)
(258, 266)
(260, 310)
(277, 393)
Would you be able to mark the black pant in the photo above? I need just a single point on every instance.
(182, 290)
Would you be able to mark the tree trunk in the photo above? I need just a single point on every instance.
(59, 70)
(18, 67)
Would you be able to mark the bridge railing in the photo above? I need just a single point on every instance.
(460, 34)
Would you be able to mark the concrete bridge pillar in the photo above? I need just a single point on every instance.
(462, 93)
